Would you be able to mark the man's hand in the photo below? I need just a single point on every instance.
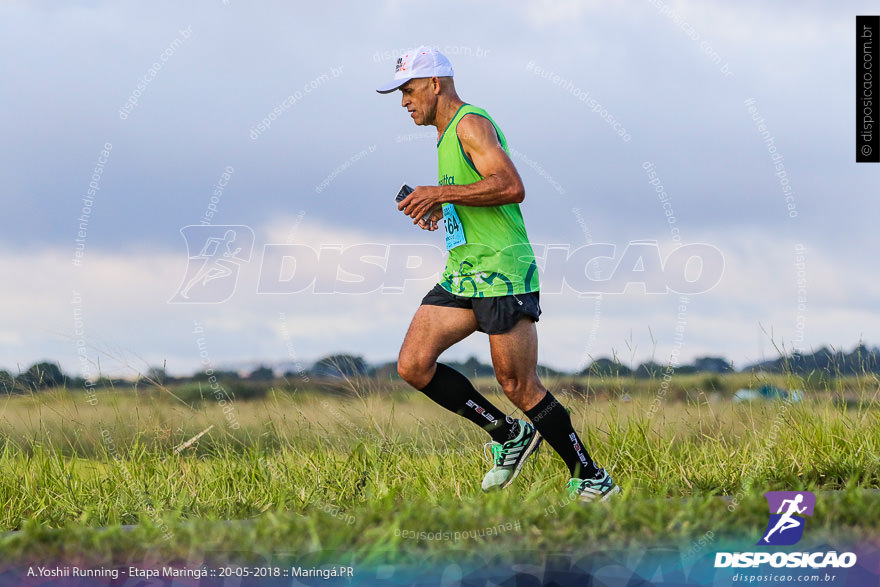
(433, 221)
(422, 201)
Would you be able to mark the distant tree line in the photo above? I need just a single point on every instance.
(829, 362)
(861, 361)
(48, 375)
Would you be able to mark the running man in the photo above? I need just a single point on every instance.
(214, 263)
(787, 521)
(490, 283)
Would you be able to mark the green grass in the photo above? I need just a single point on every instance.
(371, 468)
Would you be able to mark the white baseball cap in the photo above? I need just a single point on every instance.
(420, 62)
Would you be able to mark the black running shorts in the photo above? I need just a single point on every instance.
(495, 315)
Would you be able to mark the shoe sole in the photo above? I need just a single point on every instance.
(611, 493)
(531, 448)
(614, 491)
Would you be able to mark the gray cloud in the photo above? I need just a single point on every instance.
(76, 66)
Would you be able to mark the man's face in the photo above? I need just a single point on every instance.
(419, 99)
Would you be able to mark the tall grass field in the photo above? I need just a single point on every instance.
(361, 469)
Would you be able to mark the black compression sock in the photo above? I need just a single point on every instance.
(554, 424)
(456, 393)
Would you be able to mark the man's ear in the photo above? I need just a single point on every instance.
(435, 85)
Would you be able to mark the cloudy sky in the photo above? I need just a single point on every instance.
(122, 120)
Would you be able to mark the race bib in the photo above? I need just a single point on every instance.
(454, 230)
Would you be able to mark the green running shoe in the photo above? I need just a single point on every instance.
(510, 456)
(602, 487)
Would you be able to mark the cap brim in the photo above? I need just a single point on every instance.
(393, 85)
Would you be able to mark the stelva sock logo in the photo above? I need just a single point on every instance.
(786, 526)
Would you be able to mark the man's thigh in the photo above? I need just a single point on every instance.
(515, 352)
(434, 329)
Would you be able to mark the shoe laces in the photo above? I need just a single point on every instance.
(497, 450)
(601, 480)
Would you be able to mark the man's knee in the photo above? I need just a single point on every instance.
(523, 391)
(512, 384)
(406, 370)
(414, 369)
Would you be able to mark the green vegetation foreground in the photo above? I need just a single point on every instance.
(317, 472)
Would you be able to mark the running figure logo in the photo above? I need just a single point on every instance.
(784, 529)
(212, 272)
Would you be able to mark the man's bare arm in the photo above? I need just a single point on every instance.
(501, 183)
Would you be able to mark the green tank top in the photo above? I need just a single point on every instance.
(497, 259)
